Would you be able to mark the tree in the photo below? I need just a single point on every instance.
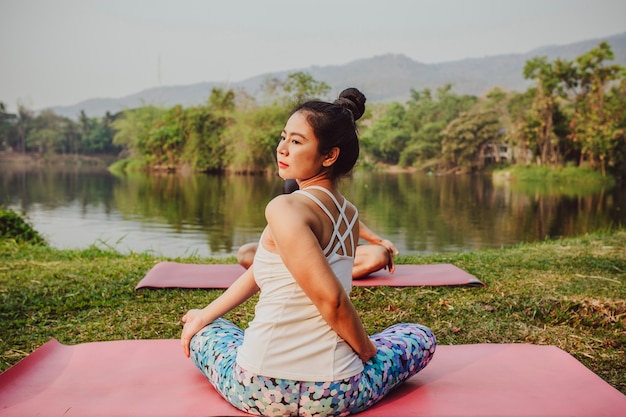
(252, 140)
(594, 124)
(72, 137)
(97, 134)
(301, 86)
(388, 136)
(8, 133)
(46, 135)
(23, 126)
(166, 138)
(132, 126)
(519, 133)
(616, 105)
(468, 138)
(205, 147)
(541, 118)
(220, 100)
(427, 117)
(85, 126)
(411, 134)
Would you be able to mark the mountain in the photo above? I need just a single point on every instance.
(382, 78)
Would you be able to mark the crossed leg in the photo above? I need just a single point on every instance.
(367, 259)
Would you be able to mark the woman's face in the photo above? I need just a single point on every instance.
(297, 152)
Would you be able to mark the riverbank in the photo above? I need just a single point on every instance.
(36, 160)
(569, 293)
(524, 173)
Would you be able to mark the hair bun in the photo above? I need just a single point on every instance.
(353, 100)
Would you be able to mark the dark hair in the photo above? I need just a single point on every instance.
(334, 126)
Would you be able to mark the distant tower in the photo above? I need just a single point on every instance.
(159, 69)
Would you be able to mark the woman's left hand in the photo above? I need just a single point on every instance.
(192, 323)
(391, 251)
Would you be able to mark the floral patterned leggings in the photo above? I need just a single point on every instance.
(403, 350)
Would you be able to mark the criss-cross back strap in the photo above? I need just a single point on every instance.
(337, 238)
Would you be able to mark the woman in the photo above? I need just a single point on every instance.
(306, 351)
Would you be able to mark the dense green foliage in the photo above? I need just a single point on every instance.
(13, 226)
(577, 111)
(411, 133)
(48, 133)
(575, 114)
(569, 293)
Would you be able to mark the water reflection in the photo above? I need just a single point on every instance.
(213, 215)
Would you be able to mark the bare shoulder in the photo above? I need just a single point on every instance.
(282, 203)
(289, 208)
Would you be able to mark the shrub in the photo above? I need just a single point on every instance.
(13, 226)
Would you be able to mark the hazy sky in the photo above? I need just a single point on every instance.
(60, 52)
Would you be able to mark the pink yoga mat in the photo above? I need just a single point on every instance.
(153, 378)
(178, 275)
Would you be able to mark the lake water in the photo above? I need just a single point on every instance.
(211, 216)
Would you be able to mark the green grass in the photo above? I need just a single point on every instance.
(557, 174)
(570, 293)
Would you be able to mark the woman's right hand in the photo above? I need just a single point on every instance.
(192, 323)
(242, 289)
(365, 356)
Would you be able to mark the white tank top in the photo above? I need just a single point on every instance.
(288, 338)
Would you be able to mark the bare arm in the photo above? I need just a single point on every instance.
(242, 289)
(300, 250)
(367, 234)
